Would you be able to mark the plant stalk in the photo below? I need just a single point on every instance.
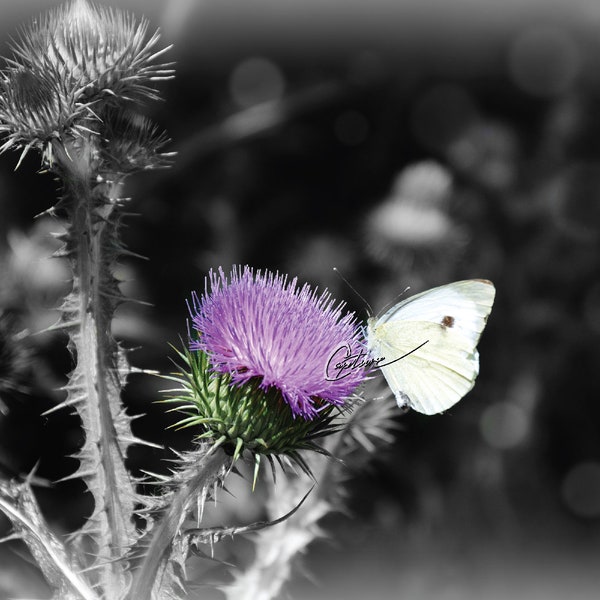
(95, 384)
(201, 476)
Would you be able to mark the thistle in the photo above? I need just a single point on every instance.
(259, 371)
(254, 380)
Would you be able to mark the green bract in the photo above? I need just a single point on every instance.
(243, 417)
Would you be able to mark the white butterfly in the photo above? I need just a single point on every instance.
(428, 344)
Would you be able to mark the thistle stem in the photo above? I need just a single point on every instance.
(95, 384)
(207, 471)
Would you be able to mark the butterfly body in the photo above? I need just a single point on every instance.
(429, 343)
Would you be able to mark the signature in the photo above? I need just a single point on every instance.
(347, 361)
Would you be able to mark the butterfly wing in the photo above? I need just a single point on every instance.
(444, 326)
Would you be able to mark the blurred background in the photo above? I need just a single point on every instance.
(407, 144)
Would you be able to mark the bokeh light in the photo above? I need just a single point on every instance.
(545, 61)
(256, 80)
(504, 425)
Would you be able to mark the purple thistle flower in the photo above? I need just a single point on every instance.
(262, 325)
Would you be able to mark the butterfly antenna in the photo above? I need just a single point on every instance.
(391, 302)
(353, 289)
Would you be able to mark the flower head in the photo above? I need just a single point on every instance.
(69, 66)
(261, 326)
(98, 49)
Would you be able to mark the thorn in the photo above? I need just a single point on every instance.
(31, 478)
(199, 509)
(60, 326)
(121, 298)
(64, 404)
(11, 537)
(77, 475)
(8, 144)
(63, 253)
(158, 476)
(23, 155)
(140, 442)
(160, 53)
(133, 418)
(273, 470)
(142, 371)
(256, 468)
(74, 386)
(238, 448)
(49, 211)
(126, 252)
(117, 297)
(87, 129)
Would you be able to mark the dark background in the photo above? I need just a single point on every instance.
(408, 144)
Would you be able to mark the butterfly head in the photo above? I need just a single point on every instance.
(371, 326)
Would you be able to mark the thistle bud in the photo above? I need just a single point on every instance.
(69, 67)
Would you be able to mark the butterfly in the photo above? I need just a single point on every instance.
(428, 344)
